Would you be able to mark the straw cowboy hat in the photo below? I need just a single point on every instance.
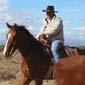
(50, 9)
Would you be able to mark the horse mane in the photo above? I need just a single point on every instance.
(34, 41)
(22, 28)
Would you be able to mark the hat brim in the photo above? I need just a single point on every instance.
(49, 11)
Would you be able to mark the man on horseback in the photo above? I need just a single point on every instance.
(52, 29)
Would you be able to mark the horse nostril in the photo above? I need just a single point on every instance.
(6, 54)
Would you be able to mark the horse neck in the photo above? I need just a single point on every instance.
(27, 48)
(32, 51)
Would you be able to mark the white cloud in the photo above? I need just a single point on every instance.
(2, 30)
(30, 28)
(2, 37)
(79, 29)
(19, 18)
(66, 22)
(3, 5)
(75, 34)
(8, 18)
(74, 37)
(82, 22)
(5, 18)
(67, 33)
(27, 19)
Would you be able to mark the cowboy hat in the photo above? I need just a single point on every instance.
(49, 9)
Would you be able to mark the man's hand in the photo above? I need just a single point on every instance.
(43, 40)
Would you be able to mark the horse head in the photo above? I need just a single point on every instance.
(11, 44)
(17, 38)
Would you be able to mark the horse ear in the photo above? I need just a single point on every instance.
(15, 24)
(8, 25)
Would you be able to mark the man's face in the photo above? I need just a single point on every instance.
(50, 14)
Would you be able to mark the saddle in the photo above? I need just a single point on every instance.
(67, 51)
(64, 51)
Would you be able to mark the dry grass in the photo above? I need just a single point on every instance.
(10, 70)
(10, 73)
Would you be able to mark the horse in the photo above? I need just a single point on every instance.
(36, 61)
(70, 71)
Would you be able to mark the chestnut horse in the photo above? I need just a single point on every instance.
(36, 61)
(70, 71)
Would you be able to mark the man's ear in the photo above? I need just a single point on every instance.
(8, 25)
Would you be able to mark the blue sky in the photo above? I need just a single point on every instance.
(29, 13)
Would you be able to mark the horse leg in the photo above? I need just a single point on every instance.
(38, 82)
(26, 80)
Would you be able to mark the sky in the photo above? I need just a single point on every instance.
(29, 13)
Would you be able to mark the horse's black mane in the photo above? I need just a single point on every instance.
(36, 46)
(29, 35)
(22, 28)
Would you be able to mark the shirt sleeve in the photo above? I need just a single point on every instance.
(54, 28)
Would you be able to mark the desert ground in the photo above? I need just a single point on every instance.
(10, 73)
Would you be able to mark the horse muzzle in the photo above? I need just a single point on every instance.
(6, 54)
